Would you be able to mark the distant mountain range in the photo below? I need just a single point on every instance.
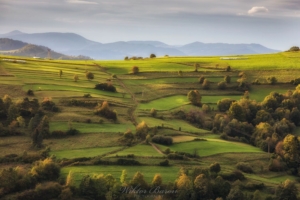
(18, 48)
(73, 44)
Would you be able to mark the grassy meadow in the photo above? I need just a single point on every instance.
(159, 86)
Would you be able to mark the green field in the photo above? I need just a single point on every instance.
(139, 150)
(87, 152)
(167, 173)
(211, 147)
(91, 128)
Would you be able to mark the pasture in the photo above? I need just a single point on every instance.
(158, 85)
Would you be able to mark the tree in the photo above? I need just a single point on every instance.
(37, 138)
(201, 79)
(224, 104)
(185, 187)
(45, 170)
(272, 80)
(215, 167)
(291, 152)
(123, 176)
(135, 69)
(152, 55)
(70, 179)
(236, 111)
(196, 65)
(194, 97)
(138, 180)
(157, 180)
(60, 73)
(141, 130)
(206, 84)
(21, 122)
(153, 112)
(76, 78)
(235, 194)
(180, 73)
(202, 187)
(294, 48)
(286, 190)
(227, 79)
(89, 75)
(295, 116)
(222, 85)
(12, 113)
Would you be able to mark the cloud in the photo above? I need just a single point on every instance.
(258, 9)
(81, 2)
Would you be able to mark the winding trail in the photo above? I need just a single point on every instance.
(157, 149)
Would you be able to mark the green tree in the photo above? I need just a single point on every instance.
(291, 154)
(227, 79)
(222, 85)
(135, 70)
(215, 167)
(202, 187)
(206, 84)
(235, 194)
(142, 130)
(76, 78)
(286, 191)
(152, 55)
(272, 80)
(201, 79)
(12, 113)
(89, 75)
(194, 97)
(236, 111)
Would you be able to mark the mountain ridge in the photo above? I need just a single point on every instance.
(74, 44)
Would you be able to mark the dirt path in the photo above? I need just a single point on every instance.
(158, 150)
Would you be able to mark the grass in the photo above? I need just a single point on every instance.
(167, 173)
(166, 103)
(87, 152)
(175, 124)
(91, 128)
(211, 147)
(139, 150)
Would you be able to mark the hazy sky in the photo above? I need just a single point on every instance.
(273, 23)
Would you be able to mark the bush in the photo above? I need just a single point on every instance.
(244, 167)
(153, 112)
(224, 104)
(233, 176)
(135, 69)
(227, 79)
(272, 80)
(30, 92)
(206, 84)
(89, 75)
(215, 167)
(228, 68)
(104, 111)
(48, 104)
(122, 161)
(105, 87)
(72, 131)
(294, 48)
(222, 85)
(201, 79)
(58, 133)
(175, 156)
(88, 95)
(165, 140)
(164, 163)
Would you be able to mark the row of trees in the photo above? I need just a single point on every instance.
(88, 75)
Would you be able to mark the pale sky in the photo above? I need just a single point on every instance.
(272, 23)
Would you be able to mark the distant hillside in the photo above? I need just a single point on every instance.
(18, 48)
(73, 44)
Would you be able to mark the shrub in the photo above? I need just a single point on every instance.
(153, 112)
(244, 167)
(128, 134)
(89, 75)
(165, 140)
(142, 130)
(222, 85)
(294, 48)
(180, 73)
(196, 65)
(233, 176)
(135, 69)
(76, 78)
(228, 68)
(215, 167)
(48, 104)
(175, 156)
(206, 84)
(224, 104)
(256, 82)
(30, 92)
(272, 80)
(201, 79)
(194, 97)
(104, 111)
(105, 87)
(126, 58)
(164, 163)
(122, 161)
(72, 131)
(88, 95)
(227, 79)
